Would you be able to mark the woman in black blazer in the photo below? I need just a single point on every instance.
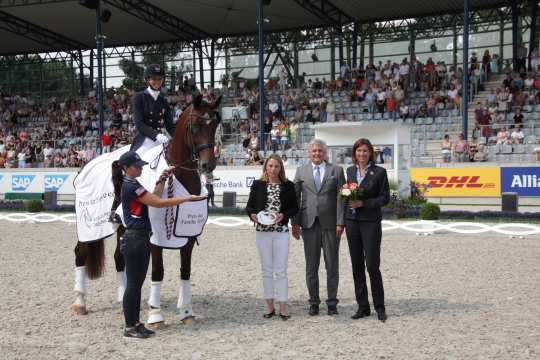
(273, 193)
(363, 227)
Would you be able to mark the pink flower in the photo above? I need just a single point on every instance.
(353, 185)
(345, 186)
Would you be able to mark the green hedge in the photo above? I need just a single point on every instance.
(430, 211)
(33, 205)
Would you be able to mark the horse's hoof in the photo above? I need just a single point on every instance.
(79, 310)
(189, 321)
(156, 325)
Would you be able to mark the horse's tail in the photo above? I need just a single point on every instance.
(117, 178)
(95, 259)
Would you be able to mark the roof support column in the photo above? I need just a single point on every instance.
(201, 65)
(465, 89)
(99, 90)
(260, 23)
(454, 45)
(412, 44)
(72, 75)
(501, 43)
(81, 73)
(515, 29)
(371, 54)
(212, 62)
(295, 65)
(533, 41)
(104, 72)
(332, 56)
(194, 65)
(355, 46)
(362, 49)
(340, 44)
(92, 68)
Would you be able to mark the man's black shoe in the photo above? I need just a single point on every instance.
(381, 314)
(332, 310)
(134, 333)
(143, 329)
(314, 310)
(360, 314)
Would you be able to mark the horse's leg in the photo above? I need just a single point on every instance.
(79, 306)
(155, 316)
(184, 296)
(120, 265)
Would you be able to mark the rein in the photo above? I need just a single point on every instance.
(195, 151)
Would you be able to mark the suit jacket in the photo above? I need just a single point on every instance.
(324, 204)
(376, 194)
(149, 116)
(258, 196)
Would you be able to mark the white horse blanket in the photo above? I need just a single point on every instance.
(94, 195)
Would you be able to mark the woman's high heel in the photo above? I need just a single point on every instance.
(284, 317)
(270, 315)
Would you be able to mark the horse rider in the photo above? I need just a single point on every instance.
(151, 112)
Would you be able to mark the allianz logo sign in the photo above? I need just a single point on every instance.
(21, 182)
(525, 181)
(54, 182)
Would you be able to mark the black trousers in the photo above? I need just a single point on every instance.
(364, 240)
(136, 250)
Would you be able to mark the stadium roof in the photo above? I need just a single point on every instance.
(32, 26)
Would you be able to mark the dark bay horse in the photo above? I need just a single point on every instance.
(191, 152)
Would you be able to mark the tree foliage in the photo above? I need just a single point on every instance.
(31, 75)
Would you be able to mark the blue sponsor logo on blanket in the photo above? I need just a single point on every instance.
(21, 182)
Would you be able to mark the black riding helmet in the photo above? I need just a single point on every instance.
(154, 70)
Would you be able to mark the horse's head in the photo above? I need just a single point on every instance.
(196, 130)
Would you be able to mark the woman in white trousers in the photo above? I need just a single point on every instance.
(275, 195)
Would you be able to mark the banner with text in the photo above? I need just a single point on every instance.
(459, 182)
(522, 180)
(38, 181)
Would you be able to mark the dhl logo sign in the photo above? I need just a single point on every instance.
(458, 182)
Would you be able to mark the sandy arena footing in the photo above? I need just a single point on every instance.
(448, 296)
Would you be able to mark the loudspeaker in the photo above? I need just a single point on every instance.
(509, 202)
(229, 199)
(105, 15)
(91, 4)
(50, 200)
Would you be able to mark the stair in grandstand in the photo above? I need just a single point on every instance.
(428, 143)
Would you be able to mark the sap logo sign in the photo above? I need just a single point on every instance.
(249, 181)
(21, 182)
(54, 182)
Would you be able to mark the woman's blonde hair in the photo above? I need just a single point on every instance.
(282, 176)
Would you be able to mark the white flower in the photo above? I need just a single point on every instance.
(346, 192)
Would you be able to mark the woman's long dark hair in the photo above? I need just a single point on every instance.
(359, 143)
(117, 179)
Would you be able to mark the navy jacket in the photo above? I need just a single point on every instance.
(149, 116)
(376, 194)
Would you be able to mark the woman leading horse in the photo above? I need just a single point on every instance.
(191, 152)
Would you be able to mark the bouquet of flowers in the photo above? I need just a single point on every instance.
(351, 191)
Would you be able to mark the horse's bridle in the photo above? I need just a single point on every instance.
(190, 135)
(196, 150)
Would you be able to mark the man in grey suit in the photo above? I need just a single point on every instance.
(319, 222)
